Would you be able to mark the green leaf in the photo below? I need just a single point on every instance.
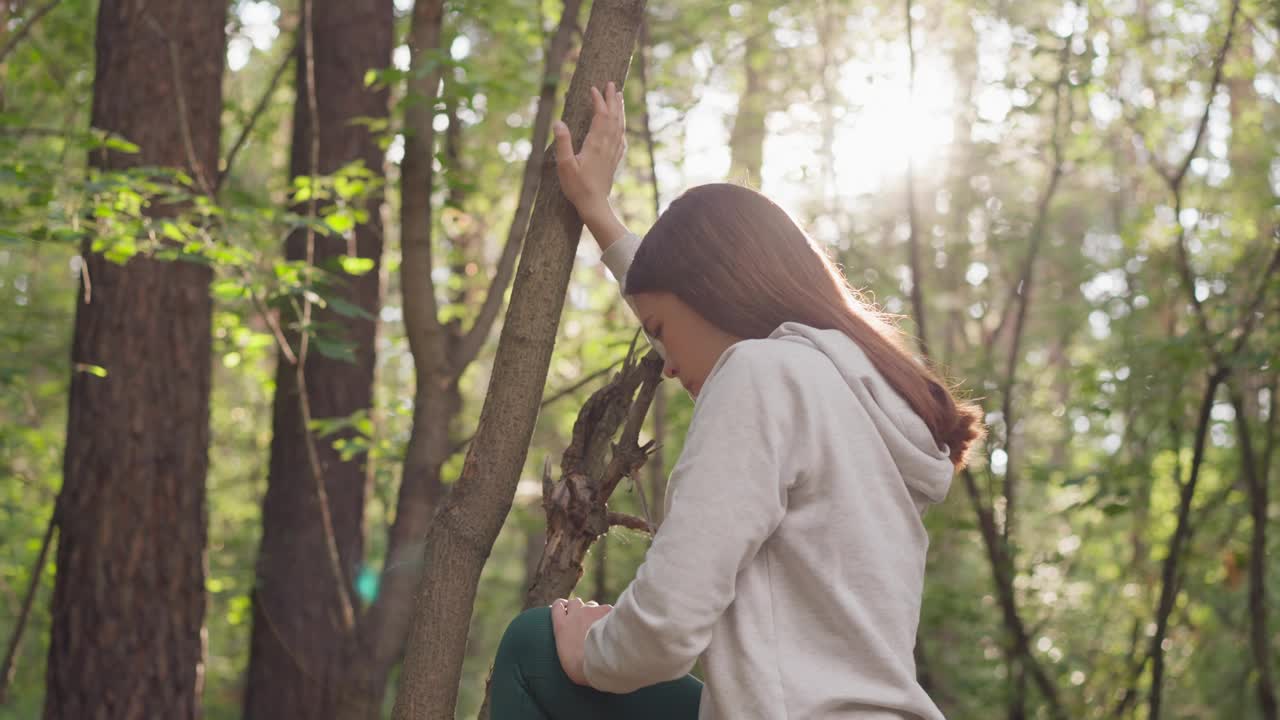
(1115, 508)
(121, 250)
(95, 370)
(355, 265)
(348, 309)
(171, 231)
(349, 188)
(340, 222)
(118, 143)
(227, 289)
(334, 349)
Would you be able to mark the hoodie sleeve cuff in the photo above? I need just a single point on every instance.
(617, 257)
(590, 651)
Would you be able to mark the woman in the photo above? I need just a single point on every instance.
(791, 558)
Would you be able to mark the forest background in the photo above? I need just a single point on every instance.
(243, 362)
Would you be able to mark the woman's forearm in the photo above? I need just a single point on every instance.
(604, 225)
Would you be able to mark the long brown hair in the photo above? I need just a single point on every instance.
(739, 260)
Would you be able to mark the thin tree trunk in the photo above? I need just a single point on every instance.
(467, 523)
(1169, 585)
(129, 594)
(657, 464)
(299, 636)
(996, 538)
(10, 666)
(435, 398)
(1256, 482)
(913, 220)
(746, 141)
(442, 352)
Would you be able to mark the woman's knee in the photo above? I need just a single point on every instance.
(527, 635)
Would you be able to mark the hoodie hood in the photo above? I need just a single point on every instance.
(926, 468)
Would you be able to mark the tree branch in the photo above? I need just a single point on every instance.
(11, 656)
(657, 466)
(425, 334)
(459, 446)
(469, 347)
(913, 220)
(1251, 313)
(253, 118)
(1175, 179)
(996, 539)
(180, 99)
(304, 404)
(1219, 63)
(22, 32)
(1259, 633)
(1001, 572)
(1025, 282)
(1169, 573)
(630, 521)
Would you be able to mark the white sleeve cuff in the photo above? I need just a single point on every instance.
(617, 257)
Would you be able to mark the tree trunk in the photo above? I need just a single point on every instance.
(129, 596)
(746, 141)
(299, 636)
(1253, 468)
(467, 523)
(441, 351)
(591, 467)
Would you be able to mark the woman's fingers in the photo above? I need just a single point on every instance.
(616, 111)
(564, 148)
(601, 123)
(615, 101)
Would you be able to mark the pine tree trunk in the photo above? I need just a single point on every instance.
(129, 595)
(300, 638)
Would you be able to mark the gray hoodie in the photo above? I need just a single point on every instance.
(791, 559)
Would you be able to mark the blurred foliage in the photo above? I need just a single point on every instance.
(1111, 362)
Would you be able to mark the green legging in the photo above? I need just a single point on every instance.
(529, 683)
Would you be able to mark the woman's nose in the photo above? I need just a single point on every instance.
(669, 370)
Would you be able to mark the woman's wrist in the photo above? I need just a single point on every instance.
(596, 212)
(604, 225)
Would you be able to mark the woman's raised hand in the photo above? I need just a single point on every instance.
(587, 177)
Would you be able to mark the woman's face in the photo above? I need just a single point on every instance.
(693, 344)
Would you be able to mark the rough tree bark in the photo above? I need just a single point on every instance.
(299, 636)
(467, 523)
(590, 469)
(442, 351)
(129, 596)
